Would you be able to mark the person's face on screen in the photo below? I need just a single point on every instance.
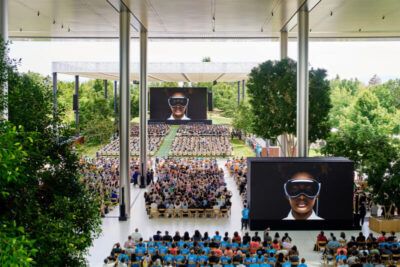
(178, 104)
(302, 192)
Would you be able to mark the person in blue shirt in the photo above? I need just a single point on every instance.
(206, 249)
(248, 259)
(225, 259)
(185, 250)
(286, 264)
(303, 263)
(192, 259)
(203, 258)
(245, 217)
(272, 258)
(169, 258)
(162, 249)
(123, 256)
(180, 260)
(229, 264)
(140, 251)
(151, 250)
(217, 237)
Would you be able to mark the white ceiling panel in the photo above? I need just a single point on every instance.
(194, 18)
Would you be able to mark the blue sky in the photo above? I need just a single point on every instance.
(348, 59)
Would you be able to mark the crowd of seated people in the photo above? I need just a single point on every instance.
(112, 149)
(205, 250)
(185, 184)
(102, 175)
(202, 130)
(156, 133)
(201, 140)
(201, 146)
(237, 168)
(361, 250)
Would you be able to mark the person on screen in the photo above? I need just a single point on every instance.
(178, 104)
(302, 192)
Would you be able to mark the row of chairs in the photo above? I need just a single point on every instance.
(188, 213)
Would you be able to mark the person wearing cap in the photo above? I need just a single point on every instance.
(302, 192)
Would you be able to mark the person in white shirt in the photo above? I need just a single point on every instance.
(302, 192)
(136, 235)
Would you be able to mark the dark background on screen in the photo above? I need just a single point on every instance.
(269, 203)
(160, 110)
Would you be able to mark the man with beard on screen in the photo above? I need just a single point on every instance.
(178, 104)
(302, 192)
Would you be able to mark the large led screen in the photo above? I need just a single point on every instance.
(300, 193)
(178, 104)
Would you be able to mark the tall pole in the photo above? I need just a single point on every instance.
(243, 83)
(105, 89)
(115, 97)
(76, 100)
(238, 97)
(143, 106)
(284, 54)
(124, 113)
(4, 36)
(302, 83)
(55, 105)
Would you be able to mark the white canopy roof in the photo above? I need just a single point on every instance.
(166, 72)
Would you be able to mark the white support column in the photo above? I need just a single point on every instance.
(284, 54)
(302, 82)
(143, 107)
(284, 44)
(124, 113)
(4, 36)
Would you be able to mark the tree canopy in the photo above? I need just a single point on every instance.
(272, 92)
(48, 216)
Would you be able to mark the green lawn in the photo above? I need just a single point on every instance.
(88, 150)
(217, 118)
(240, 149)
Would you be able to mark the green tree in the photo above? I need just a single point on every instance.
(242, 119)
(48, 216)
(31, 114)
(272, 91)
(365, 135)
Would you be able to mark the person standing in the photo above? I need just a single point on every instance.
(245, 217)
(363, 212)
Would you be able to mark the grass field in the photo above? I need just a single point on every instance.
(241, 149)
(88, 150)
